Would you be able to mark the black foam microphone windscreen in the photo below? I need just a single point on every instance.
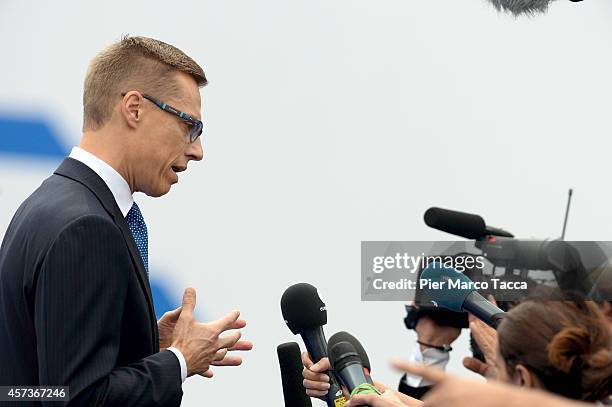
(289, 358)
(305, 315)
(302, 308)
(343, 336)
(457, 223)
(346, 362)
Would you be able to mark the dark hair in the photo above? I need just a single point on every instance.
(566, 344)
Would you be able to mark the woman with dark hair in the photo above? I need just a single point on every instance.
(564, 347)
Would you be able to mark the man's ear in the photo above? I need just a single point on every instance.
(524, 377)
(131, 108)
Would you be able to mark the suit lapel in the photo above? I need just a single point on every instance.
(79, 172)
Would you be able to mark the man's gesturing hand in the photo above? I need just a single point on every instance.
(166, 325)
(201, 344)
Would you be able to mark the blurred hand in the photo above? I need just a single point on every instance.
(388, 399)
(431, 333)
(316, 381)
(460, 392)
(201, 344)
(165, 325)
(486, 338)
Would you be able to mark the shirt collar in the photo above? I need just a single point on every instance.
(115, 182)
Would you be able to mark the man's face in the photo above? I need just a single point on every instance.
(163, 147)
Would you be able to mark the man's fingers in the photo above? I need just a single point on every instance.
(426, 372)
(306, 361)
(189, 301)
(321, 366)
(315, 377)
(220, 355)
(222, 359)
(208, 374)
(475, 365)
(316, 385)
(228, 360)
(227, 322)
(229, 341)
(242, 345)
(315, 393)
(172, 315)
(239, 324)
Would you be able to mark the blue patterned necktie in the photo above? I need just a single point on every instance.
(138, 227)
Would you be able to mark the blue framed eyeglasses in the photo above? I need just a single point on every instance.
(195, 126)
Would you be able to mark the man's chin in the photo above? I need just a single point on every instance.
(159, 191)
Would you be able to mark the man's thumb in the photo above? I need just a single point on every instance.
(189, 301)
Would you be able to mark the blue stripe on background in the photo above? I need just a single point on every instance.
(161, 298)
(30, 136)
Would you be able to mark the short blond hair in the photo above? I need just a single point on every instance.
(133, 63)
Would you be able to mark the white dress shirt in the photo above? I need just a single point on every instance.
(123, 196)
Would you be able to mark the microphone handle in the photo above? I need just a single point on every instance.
(368, 377)
(353, 376)
(316, 345)
(482, 309)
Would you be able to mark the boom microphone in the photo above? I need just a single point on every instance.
(289, 358)
(518, 7)
(461, 224)
(347, 363)
(305, 314)
(343, 336)
(460, 299)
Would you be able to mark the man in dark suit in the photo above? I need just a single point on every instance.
(75, 303)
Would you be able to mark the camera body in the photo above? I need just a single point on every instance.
(517, 257)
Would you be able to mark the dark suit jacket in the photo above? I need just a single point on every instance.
(75, 303)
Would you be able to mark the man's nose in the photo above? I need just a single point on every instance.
(195, 151)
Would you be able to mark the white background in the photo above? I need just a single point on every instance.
(332, 122)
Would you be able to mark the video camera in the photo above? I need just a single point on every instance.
(520, 260)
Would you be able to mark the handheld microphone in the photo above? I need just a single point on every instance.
(343, 336)
(463, 298)
(347, 363)
(305, 314)
(529, 7)
(289, 358)
(461, 224)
